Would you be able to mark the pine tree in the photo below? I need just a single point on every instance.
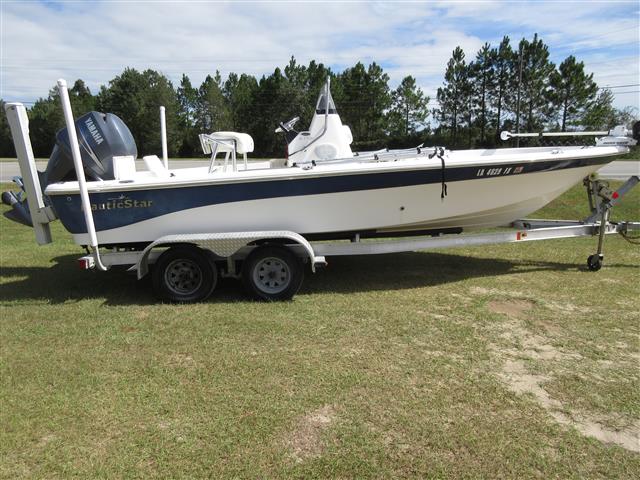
(297, 78)
(82, 101)
(240, 92)
(572, 91)
(270, 107)
(136, 98)
(535, 95)
(362, 97)
(453, 96)
(187, 99)
(212, 112)
(504, 64)
(409, 109)
(600, 114)
(484, 79)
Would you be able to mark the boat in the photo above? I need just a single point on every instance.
(322, 189)
(256, 221)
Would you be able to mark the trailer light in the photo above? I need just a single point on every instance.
(615, 195)
(85, 263)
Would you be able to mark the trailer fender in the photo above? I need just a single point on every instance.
(226, 244)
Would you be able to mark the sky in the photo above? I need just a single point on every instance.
(42, 41)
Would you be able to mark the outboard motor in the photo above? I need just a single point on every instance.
(101, 136)
(327, 138)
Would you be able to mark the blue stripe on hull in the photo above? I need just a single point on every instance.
(117, 209)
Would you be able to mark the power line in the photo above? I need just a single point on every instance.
(635, 27)
(608, 87)
(581, 51)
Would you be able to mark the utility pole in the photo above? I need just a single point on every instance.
(518, 101)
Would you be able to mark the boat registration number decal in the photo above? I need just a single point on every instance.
(494, 172)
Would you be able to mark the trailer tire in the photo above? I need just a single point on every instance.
(184, 274)
(272, 273)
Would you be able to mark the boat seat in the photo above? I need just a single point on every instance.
(155, 166)
(124, 167)
(224, 140)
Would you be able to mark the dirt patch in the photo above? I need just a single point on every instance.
(46, 439)
(495, 291)
(527, 346)
(305, 441)
(510, 308)
(521, 381)
(181, 360)
(566, 307)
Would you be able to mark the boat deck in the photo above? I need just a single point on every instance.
(275, 169)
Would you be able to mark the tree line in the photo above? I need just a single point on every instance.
(500, 89)
(519, 89)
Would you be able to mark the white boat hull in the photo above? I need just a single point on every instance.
(475, 203)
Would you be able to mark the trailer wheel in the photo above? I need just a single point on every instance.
(272, 273)
(594, 262)
(184, 274)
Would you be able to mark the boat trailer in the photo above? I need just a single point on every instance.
(271, 264)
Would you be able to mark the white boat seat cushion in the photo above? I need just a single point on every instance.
(244, 142)
(124, 168)
(155, 166)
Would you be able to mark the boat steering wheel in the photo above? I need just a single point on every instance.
(287, 126)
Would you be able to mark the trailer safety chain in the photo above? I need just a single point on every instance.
(633, 240)
(439, 152)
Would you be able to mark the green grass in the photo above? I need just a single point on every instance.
(400, 366)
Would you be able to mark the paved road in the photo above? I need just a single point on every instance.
(620, 170)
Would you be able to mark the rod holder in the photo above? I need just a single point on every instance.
(163, 137)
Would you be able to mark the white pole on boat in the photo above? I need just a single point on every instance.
(518, 101)
(163, 137)
(77, 162)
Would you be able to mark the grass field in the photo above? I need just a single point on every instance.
(504, 361)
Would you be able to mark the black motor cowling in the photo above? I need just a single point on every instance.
(101, 137)
(636, 131)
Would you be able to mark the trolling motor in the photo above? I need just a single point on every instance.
(618, 136)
